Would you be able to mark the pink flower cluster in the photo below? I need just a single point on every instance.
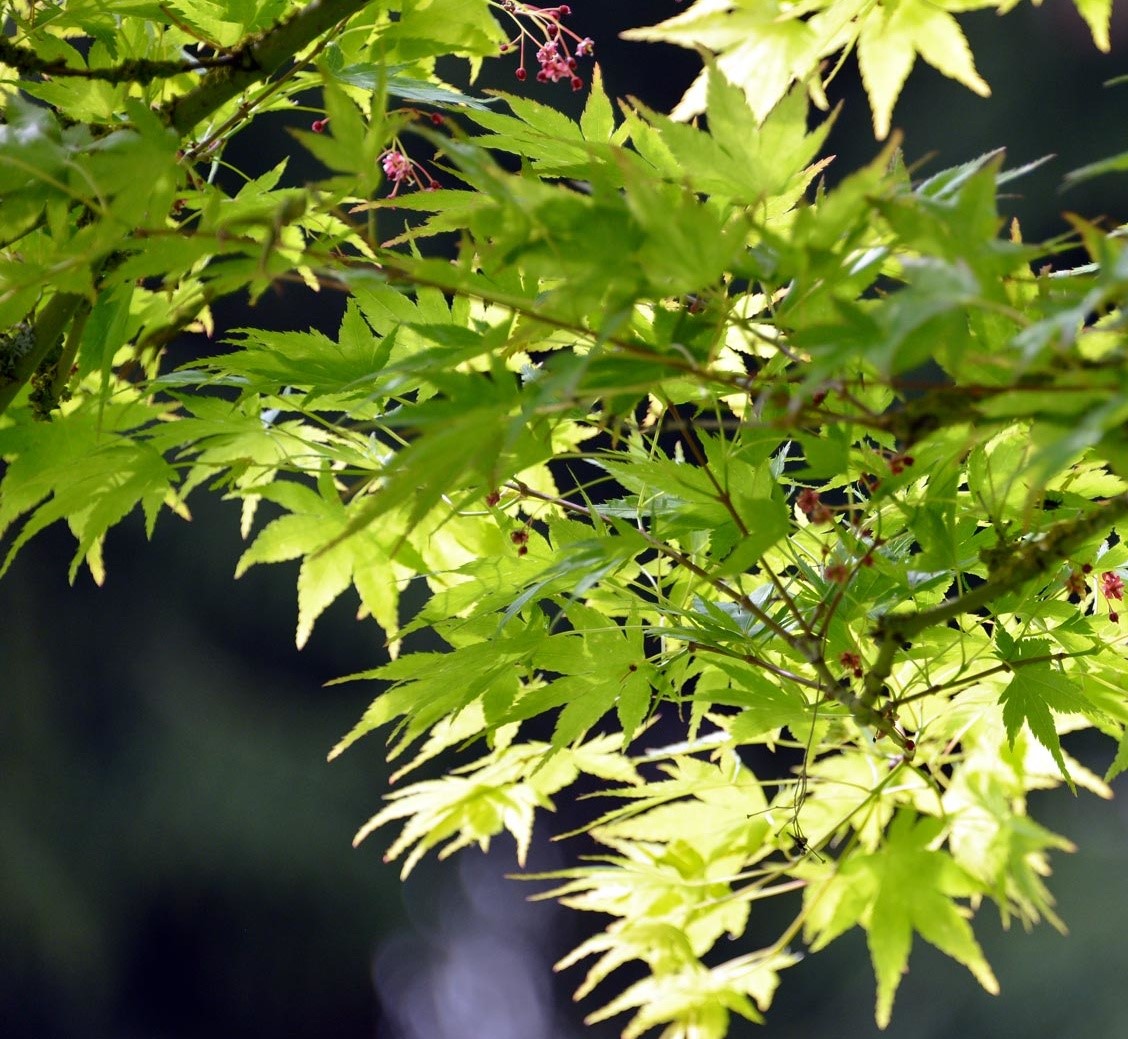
(543, 28)
(397, 166)
(1112, 585)
(401, 169)
(553, 65)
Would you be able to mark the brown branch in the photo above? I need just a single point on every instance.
(1024, 562)
(256, 59)
(978, 676)
(138, 70)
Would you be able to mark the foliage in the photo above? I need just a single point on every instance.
(789, 515)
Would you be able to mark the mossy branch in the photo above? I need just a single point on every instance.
(1025, 561)
(138, 70)
(46, 333)
(256, 59)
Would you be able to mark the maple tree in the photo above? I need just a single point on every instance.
(665, 432)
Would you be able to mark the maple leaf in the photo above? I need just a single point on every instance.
(903, 887)
(315, 520)
(892, 36)
(760, 48)
(1097, 15)
(1033, 693)
(765, 47)
(695, 1002)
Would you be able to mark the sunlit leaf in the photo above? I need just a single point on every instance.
(903, 888)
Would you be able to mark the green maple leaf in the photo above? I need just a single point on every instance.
(758, 46)
(313, 530)
(84, 467)
(428, 687)
(603, 667)
(766, 161)
(477, 801)
(764, 47)
(891, 37)
(1004, 850)
(696, 1002)
(472, 806)
(1097, 15)
(904, 887)
(1120, 762)
(1033, 693)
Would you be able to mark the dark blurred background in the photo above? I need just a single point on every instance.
(175, 858)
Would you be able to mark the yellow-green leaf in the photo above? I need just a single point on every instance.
(891, 37)
(903, 887)
(1031, 695)
(1097, 15)
(758, 47)
(598, 120)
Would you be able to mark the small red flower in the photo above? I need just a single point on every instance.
(807, 501)
(898, 463)
(812, 507)
(836, 573)
(1075, 583)
(1112, 585)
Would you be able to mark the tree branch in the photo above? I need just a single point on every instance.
(139, 70)
(47, 331)
(1025, 561)
(256, 59)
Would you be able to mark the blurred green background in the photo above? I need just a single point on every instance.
(175, 854)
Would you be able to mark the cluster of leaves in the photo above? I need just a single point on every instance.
(797, 513)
